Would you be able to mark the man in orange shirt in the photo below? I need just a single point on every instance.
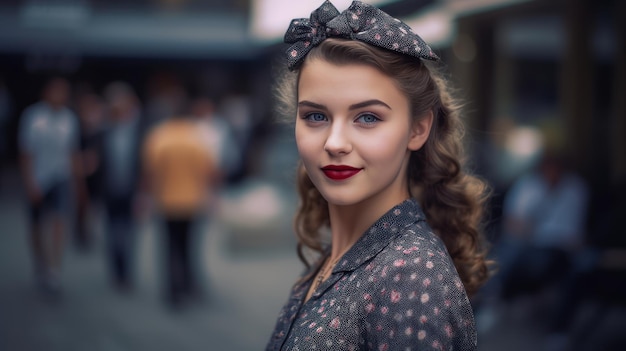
(179, 171)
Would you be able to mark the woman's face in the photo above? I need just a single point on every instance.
(354, 133)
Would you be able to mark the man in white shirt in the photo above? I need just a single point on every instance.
(545, 215)
(49, 146)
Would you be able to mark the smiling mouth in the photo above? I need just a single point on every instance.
(340, 172)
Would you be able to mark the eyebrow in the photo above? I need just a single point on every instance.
(356, 106)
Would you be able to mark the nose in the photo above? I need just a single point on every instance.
(338, 141)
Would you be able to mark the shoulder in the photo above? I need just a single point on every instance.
(71, 118)
(34, 117)
(417, 246)
(152, 139)
(415, 263)
(32, 110)
(155, 133)
(70, 114)
(416, 269)
(417, 293)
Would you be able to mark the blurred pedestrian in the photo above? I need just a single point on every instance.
(50, 163)
(180, 172)
(544, 218)
(90, 108)
(121, 145)
(217, 135)
(379, 137)
(236, 109)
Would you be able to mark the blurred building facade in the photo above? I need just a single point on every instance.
(521, 59)
(556, 68)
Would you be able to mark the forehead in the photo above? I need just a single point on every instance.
(323, 81)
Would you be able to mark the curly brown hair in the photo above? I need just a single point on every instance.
(452, 199)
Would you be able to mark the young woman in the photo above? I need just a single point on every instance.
(379, 137)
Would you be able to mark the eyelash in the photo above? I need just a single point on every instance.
(309, 117)
(361, 116)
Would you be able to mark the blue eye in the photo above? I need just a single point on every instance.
(315, 117)
(367, 118)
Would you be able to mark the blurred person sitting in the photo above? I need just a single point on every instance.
(89, 107)
(120, 153)
(544, 217)
(49, 155)
(180, 172)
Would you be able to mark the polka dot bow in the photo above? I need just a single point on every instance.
(361, 22)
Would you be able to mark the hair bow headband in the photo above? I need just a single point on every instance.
(361, 22)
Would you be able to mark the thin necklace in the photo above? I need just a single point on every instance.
(322, 274)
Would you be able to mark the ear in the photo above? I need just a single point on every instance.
(420, 131)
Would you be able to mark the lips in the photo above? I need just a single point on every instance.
(340, 172)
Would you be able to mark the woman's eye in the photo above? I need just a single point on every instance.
(367, 118)
(315, 117)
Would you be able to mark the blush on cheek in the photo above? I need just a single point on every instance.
(386, 147)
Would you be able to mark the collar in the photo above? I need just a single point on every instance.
(381, 234)
(386, 229)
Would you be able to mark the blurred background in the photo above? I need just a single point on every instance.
(543, 83)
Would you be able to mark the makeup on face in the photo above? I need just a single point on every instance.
(353, 133)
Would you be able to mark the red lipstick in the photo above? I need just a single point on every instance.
(340, 172)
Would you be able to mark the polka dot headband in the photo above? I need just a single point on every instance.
(361, 22)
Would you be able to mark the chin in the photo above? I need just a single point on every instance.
(336, 200)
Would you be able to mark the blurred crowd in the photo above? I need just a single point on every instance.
(84, 153)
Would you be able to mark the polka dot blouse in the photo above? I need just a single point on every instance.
(395, 289)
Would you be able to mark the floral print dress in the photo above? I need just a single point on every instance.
(395, 289)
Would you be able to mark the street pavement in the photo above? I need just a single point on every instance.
(244, 288)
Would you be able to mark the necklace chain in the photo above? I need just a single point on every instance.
(322, 274)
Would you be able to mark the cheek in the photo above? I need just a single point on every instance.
(384, 148)
(308, 155)
(306, 142)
